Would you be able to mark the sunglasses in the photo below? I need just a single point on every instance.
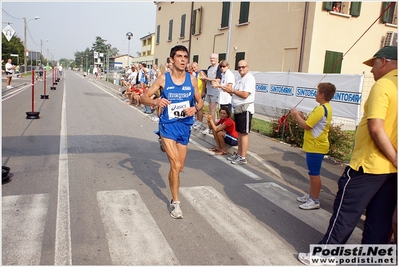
(242, 67)
(223, 66)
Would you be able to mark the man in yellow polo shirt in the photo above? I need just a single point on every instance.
(370, 181)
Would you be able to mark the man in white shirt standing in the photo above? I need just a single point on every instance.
(243, 98)
(9, 68)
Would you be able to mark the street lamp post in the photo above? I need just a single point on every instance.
(108, 48)
(25, 48)
(129, 36)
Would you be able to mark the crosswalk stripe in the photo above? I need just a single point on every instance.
(23, 225)
(251, 240)
(133, 235)
(286, 200)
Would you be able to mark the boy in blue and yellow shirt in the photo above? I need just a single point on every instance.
(316, 143)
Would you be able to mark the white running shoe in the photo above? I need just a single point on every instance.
(310, 205)
(175, 210)
(303, 198)
(232, 157)
(304, 258)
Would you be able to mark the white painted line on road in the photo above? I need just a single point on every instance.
(223, 159)
(131, 106)
(23, 224)
(252, 241)
(63, 251)
(132, 233)
(14, 93)
(286, 200)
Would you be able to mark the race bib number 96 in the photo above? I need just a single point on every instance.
(176, 110)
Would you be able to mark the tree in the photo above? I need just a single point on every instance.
(14, 46)
(85, 59)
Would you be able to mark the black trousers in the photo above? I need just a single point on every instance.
(359, 191)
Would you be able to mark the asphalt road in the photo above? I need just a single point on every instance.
(90, 187)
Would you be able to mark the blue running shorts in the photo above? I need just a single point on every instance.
(314, 160)
(177, 131)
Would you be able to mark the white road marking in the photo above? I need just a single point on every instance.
(251, 240)
(63, 251)
(286, 200)
(132, 233)
(23, 222)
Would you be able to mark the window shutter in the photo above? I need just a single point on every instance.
(222, 56)
(332, 59)
(170, 29)
(244, 12)
(225, 14)
(158, 32)
(328, 6)
(195, 58)
(239, 56)
(355, 9)
(183, 25)
(385, 17)
(200, 20)
(194, 22)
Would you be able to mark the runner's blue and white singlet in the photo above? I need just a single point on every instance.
(181, 97)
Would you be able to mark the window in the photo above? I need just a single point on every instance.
(391, 15)
(346, 8)
(158, 32)
(183, 26)
(195, 58)
(170, 30)
(239, 56)
(244, 12)
(333, 62)
(225, 15)
(222, 56)
(197, 19)
(156, 61)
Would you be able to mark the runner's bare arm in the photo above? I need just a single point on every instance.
(158, 102)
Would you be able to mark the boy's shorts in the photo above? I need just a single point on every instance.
(314, 161)
(177, 131)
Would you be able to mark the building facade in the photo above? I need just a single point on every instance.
(308, 37)
(147, 50)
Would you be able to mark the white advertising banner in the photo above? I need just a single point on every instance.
(284, 90)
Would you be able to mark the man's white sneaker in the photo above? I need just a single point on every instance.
(317, 260)
(303, 198)
(233, 157)
(304, 258)
(310, 205)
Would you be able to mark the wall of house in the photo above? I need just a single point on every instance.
(272, 38)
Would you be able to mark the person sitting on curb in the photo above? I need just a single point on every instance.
(224, 131)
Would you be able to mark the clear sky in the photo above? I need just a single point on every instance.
(71, 26)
